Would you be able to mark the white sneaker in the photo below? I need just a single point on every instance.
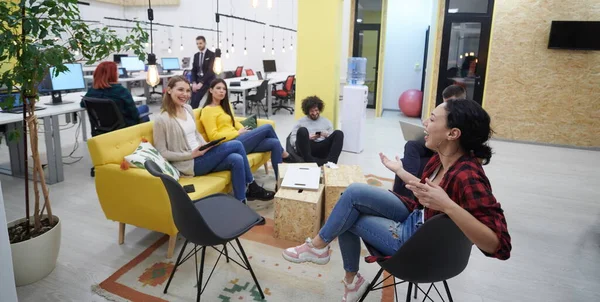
(355, 290)
(307, 253)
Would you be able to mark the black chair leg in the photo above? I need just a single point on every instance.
(226, 253)
(371, 285)
(416, 287)
(408, 292)
(93, 172)
(199, 286)
(262, 295)
(176, 265)
(448, 291)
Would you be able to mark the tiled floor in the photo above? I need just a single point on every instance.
(550, 196)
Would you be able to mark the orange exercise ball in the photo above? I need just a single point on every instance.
(411, 102)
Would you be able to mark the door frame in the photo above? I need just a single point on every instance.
(486, 25)
(357, 29)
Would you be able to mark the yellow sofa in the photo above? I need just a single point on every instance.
(137, 198)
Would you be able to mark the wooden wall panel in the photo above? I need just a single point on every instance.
(538, 94)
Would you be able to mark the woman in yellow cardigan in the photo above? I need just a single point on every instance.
(218, 122)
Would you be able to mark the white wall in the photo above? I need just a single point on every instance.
(407, 21)
(202, 14)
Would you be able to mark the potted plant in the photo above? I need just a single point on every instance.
(36, 35)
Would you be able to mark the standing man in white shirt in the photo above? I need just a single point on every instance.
(202, 71)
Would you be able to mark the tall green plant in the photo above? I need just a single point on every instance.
(36, 35)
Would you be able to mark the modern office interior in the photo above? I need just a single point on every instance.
(121, 235)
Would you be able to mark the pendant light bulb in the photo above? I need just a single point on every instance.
(269, 4)
(232, 48)
(264, 48)
(147, 44)
(273, 51)
(181, 47)
(152, 78)
(218, 64)
(245, 51)
(254, 3)
(283, 49)
(227, 54)
(291, 46)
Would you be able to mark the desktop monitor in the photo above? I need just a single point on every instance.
(15, 103)
(169, 64)
(71, 79)
(132, 64)
(117, 57)
(269, 66)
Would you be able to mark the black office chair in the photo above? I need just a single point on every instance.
(255, 100)
(105, 116)
(437, 252)
(208, 222)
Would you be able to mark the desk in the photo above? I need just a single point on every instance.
(254, 82)
(49, 116)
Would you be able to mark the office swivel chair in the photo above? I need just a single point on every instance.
(104, 115)
(285, 94)
(237, 74)
(249, 72)
(255, 100)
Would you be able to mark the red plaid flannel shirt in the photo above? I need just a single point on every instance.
(466, 184)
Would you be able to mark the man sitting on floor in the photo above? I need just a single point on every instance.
(416, 155)
(313, 136)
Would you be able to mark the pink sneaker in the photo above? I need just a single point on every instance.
(307, 253)
(354, 290)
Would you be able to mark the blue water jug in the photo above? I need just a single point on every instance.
(357, 71)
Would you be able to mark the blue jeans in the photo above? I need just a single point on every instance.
(227, 156)
(373, 214)
(263, 139)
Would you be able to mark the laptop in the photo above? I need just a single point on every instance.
(411, 131)
(302, 178)
(17, 107)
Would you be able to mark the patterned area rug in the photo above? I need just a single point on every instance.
(144, 277)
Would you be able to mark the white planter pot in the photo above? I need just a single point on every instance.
(35, 258)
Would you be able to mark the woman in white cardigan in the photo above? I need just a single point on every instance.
(179, 142)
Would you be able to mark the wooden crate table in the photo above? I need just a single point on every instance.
(284, 166)
(336, 181)
(298, 213)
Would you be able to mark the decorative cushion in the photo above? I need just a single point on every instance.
(250, 122)
(145, 151)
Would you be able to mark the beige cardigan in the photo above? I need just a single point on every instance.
(170, 141)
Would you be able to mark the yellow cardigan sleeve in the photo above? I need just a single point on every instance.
(238, 125)
(209, 119)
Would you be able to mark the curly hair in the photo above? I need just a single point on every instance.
(312, 102)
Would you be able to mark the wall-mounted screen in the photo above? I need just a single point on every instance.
(583, 35)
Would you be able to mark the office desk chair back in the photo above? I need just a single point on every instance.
(285, 94)
(438, 251)
(256, 99)
(208, 222)
(238, 71)
(249, 72)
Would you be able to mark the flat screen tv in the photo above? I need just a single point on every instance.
(583, 35)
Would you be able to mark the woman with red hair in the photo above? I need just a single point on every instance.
(106, 86)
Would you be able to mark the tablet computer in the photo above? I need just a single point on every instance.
(211, 143)
(412, 132)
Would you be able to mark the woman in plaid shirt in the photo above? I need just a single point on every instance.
(453, 183)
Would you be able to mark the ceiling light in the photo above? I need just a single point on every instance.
(359, 20)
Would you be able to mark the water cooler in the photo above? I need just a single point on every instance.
(354, 106)
(354, 117)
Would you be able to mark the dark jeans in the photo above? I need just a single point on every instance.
(228, 156)
(321, 152)
(416, 156)
(264, 139)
